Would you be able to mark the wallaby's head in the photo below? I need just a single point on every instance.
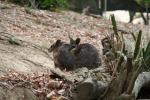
(106, 42)
(55, 45)
(74, 43)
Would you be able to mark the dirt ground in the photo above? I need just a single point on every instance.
(42, 28)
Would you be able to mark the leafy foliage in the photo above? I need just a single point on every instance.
(143, 2)
(140, 56)
(52, 4)
(43, 4)
(126, 66)
(146, 57)
(137, 46)
(21, 2)
(114, 25)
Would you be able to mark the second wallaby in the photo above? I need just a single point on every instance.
(86, 55)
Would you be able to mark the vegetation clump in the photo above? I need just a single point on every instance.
(43, 4)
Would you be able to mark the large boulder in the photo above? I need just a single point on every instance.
(15, 93)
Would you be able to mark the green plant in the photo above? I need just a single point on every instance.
(52, 4)
(127, 65)
(137, 46)
(140, 56)
(43, 4)
(146, 57)
(143, 2)
(21, 2)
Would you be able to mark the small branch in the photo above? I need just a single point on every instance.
(69, 78)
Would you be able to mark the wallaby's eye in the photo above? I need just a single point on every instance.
(52, 47)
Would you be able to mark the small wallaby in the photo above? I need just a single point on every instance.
(107, 48)
(106, 43)
(63, 58)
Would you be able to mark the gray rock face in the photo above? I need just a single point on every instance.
(142, 81)
(88, 89)
(21, 56)
(17, 93)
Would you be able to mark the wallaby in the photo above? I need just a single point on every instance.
(86, 54)
(106, 43)
(74, 55)
(107, 48)
(63, 58)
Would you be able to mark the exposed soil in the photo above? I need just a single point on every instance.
(43, 28)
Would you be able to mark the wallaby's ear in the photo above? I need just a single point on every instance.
(54, 46)
(78, 40)
(71, 40)
(58, 42)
